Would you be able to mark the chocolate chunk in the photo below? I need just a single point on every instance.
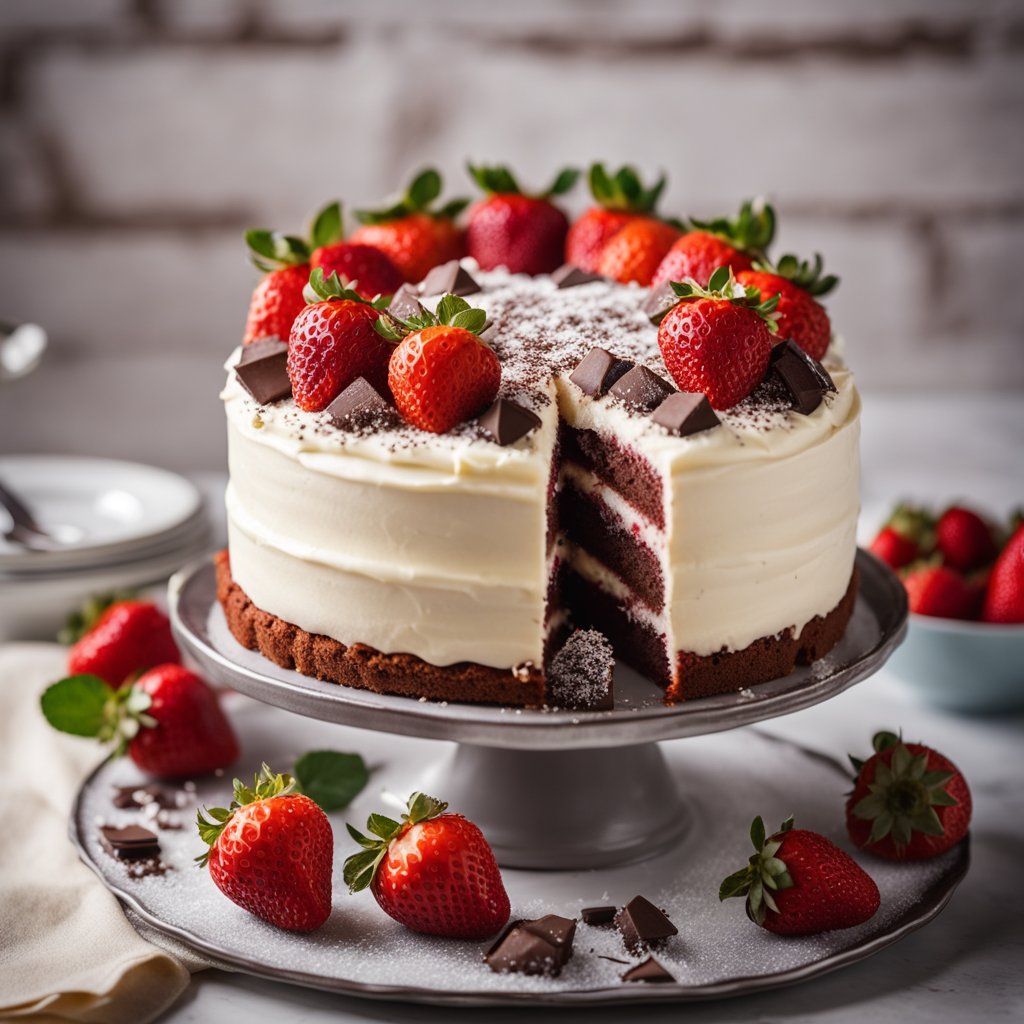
(643, 925)
(685, 413)
(260, 348)
(649, 970)
(133, 842)
(543, 946)
(598, 915)
(404, 303)
(658, 302)
(569, 276)
(580, 674)
(505, 422)
(641, 389)
(449, 279)
(805, 378)
(140, 796)
(264, 373)
(597, 371)
(358, 405)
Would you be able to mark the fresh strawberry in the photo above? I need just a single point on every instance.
(441, 373)
(332, 342)
(620, 198)
(966, 541)
(128, 637)
(722, 242)
(798, 285)
(169, 721)
(525, 233)
(909, 802)
(271, 852)
(432, 872)
(1004, 599)
(940, 591)
(908, 535)
(635, 252)
(800, 883)
(415, 237)
(276, 302)
(717, 340)
(367, 270)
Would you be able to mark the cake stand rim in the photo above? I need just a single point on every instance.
(529, 729)
(937, 896)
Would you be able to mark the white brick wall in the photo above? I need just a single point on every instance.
(137, 139)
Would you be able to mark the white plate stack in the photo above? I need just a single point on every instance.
(122, 526)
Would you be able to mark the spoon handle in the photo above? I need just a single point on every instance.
(18, 511)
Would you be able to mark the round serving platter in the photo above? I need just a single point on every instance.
(728, 778)
(876, 628)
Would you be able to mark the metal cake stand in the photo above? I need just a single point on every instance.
(552, 789)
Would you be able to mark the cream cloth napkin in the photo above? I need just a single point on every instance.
(66, 950)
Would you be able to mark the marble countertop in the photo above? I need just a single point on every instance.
(966, 965)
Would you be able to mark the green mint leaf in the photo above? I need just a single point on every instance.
(77, 705)
(330, 778)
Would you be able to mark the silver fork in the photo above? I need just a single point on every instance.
(24, 529)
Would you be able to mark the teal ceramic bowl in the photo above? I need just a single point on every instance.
(962, 666)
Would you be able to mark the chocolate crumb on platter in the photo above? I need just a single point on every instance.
(542, 946)
(643, 926)
(649, 970)
(132, 842)
(598, 915)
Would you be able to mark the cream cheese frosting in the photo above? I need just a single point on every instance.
(436, 545)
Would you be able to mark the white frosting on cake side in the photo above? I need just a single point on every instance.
(435, 545)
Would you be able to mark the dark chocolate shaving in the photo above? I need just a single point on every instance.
(597, 371)
(569, 276)
(542, 946)
(358, 405)
(505, 422)
(404, 303)
(580, 674)
(805, 378)
(449, 279)
(598, 915)
(685, 413)
(649, 970)
(264, 374)
(643, 925)
(658, 302)
(260, 348)
(133, 842)
(139, 796)
(641, 389)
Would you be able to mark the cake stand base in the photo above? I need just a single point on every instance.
(565, 809)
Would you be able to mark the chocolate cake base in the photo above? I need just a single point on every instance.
(366, 668)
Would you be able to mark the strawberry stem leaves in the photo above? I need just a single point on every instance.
(499, 180)
(802, 273)
(751, 230)
(86, 705)
(623, 191)
(724, 287)
(424, 188)
(452, 311)
(765, 872)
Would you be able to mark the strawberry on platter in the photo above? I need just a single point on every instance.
(797, 882)
(168, 720)
(440, 372)
(416, 236)
(909, 802)
(123, 638)
(525, 233)
(271, 851)
(718, 340)
(432, 871)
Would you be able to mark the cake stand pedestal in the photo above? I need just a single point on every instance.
(551, 789)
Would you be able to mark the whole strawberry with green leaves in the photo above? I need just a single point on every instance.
(722, 242)
(508, 228)
(909, 802)
(271, 852)
(1004, 597)
(288, 259)
(333, 341)
(717, 340)
(799, 285)
(798, 882)
(619, 199)
(411, 231)
(168, 720)
(441, 372)
(432, 871)
(907, 535)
